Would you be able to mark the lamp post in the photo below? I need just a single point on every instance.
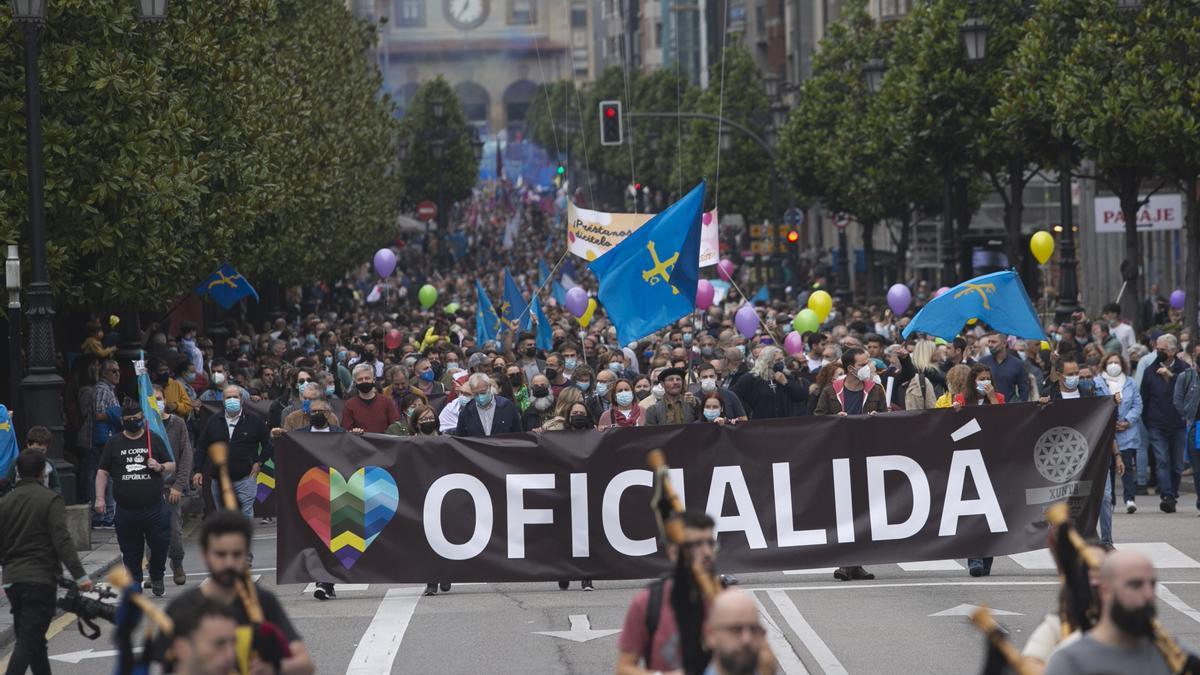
(12, 281)
(41, 403)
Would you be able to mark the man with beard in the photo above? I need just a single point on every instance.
(205, 638)
(225, 546)
(1123, 639)
(733, 635)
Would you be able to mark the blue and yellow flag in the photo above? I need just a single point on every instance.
(649, 279)
(487, 321)
(545, 334)
(560, 293)
(514, 306)
(543, 272)
(226, 286)
(9, 448)
(154, 423)
(997, 299)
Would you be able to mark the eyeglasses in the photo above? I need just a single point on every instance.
(303, 381)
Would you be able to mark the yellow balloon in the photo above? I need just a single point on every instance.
(587, 314)
(1045, 346)
(821, 303)
(1042, 246)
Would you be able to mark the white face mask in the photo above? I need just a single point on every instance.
(1113, 369)
(218, 379)
(658, 391)
(708, 384)
(864, 373)
(982, 385)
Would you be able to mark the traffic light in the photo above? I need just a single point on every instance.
(561, 169)
(610, 123)
(793, 236)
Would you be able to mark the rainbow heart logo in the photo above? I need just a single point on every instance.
(347, 513)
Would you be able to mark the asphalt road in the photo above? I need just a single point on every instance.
(904, 620)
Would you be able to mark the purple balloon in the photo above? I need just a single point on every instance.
(746, 321)
(793, 344)
(577, 301)
(899, 298)
(725, 269)
(385, 262)
(1177, 298)
(704, 294)
(941, 290)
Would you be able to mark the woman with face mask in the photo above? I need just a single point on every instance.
(713, 410)
(513, 387)
(1121, 386)
(624, 410)
(642, 388)
(567, 398)
(979, 389)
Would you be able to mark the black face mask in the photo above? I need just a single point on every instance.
(162, 378)
(580, 422)
(427, 428)
(1162, 356)
(551, 374)
(530, 352)
(514, 380)
(777, 366)
(540, 392)
(132, 426)
(1138, 622)
(369, 357)
(641, 394)
(365, 387)
(318, 420)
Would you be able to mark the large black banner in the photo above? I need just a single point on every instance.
(792, 493)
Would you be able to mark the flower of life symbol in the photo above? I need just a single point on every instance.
(1060, 454)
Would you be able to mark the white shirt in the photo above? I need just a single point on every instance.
(323, 430)
(1124, 335)
(231, 423)
(448, 418)
(1069, 394)
(486, 415)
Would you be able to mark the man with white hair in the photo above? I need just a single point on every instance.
(368, 411)
(1165, 427)
(486, 414)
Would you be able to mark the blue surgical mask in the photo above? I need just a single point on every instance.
(328, 361)
(615, 367)
(583, 386)
(570, 364)
(601, 388)
(233, 406)
(1071, 381)
(483, 400)
(624, 398)
(427, 375)
(307, 406)
(190, 377)
(710, 414)
(329, 390)
(342, 356)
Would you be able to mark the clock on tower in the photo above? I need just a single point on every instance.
(465, 14)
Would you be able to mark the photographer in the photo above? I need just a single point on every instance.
(33, 547)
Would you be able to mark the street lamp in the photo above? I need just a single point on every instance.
(872, 74)
(437, 148)
(152, 10)
(974, 33)
(477, 148)
(726, 138)
(779, 115)
(771, 83)
(1129, 6)
(12, 281)
(29, 11)
(402, 150)
(439, 109)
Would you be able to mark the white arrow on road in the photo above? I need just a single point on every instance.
(581, 630)
(76, 657)
(968, 610)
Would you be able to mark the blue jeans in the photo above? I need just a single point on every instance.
(1129, 479)
(1106, 509)
(138, 527)
(1168, 447)
(245, 489)
(90, 468)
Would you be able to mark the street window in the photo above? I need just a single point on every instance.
(658, 34)
(578, 16)
(522, 12)
(410, 13)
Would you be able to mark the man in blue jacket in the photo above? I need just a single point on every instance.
(487, 414)
(1164, 425)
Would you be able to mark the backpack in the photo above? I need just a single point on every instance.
(920, 394)
(653, 614)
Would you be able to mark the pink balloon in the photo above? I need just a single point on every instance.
(725, 269)
(704, 294)
(577, 301)
(746, 321)
(941, 290)
(793, 344)
(707, 217)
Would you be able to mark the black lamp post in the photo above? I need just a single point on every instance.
(41, 403)
(437, 149)
(872, 74)
(12, 281)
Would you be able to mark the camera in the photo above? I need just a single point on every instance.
(86, 607)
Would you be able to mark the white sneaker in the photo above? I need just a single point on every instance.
(1130, 507)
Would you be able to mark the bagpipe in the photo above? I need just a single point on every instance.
(129, 612)
(264, 641)
(694, 586)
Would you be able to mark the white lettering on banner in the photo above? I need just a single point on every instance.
(515, 486)
(745, 520)
(955, 507)
(881, 529)
(432, 516)
(1161, 212)
(580, 547)
(784, 534)
(842, 503)
(610, 513)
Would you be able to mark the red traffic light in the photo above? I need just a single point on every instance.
(637, 186)
(793, 236)
(610, 111)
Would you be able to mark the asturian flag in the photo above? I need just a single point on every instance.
(649, 279)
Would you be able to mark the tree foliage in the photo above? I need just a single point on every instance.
(421, 172)
(247, 130)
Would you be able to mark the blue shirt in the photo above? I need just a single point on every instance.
(1008, 377)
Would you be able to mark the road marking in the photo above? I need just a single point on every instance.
(1039, 559)
(932, 566)
(813, 570)
(1162, 554)
(968, 429)
(789, 662)
(341, 588)
(76, 657)
(376, 651)
(1174, 601)
(581, 630)
(816, 646)
(853, 586)
(968, 610)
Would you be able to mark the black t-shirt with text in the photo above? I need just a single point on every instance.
(134, 484)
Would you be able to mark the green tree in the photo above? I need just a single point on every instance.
(456, 169)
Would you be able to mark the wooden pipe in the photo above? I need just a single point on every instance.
(120, 579)
(982, 618)
(247, 591)
(673, 528)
